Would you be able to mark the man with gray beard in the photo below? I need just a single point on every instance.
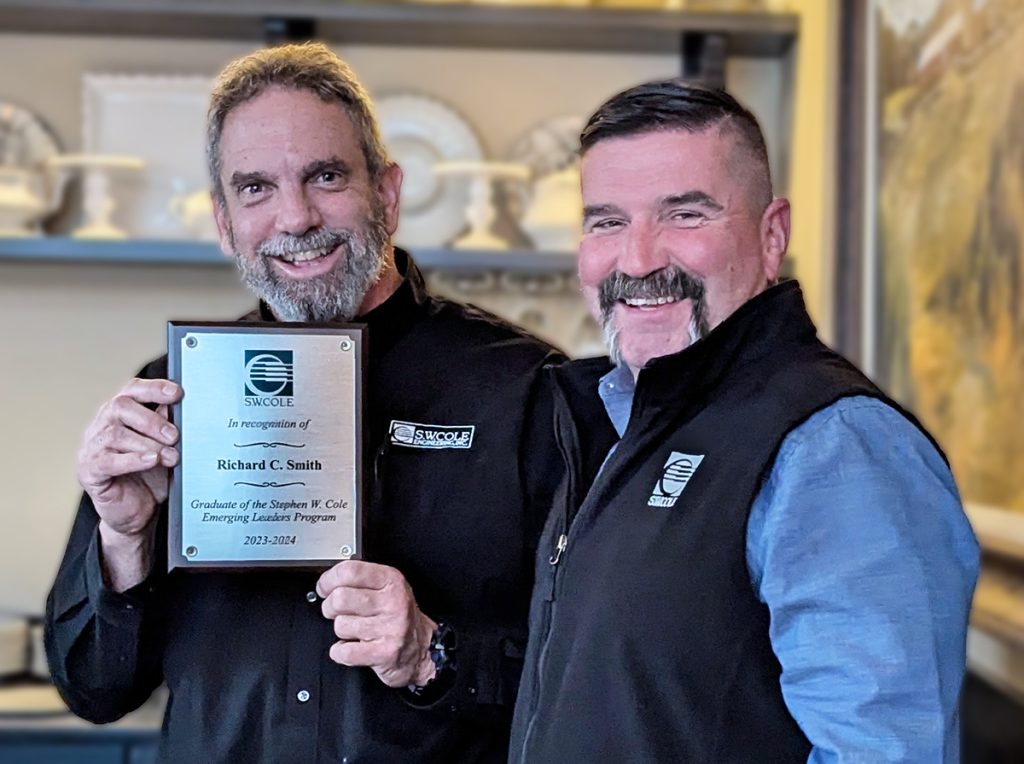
(414, 656)
(755, 556)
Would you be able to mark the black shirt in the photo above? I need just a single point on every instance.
(245, 655)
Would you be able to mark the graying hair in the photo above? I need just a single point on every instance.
(310, 66)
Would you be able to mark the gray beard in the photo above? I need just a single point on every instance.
(334, 296)
(671, 281)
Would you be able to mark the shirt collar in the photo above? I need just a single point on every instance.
(616, 389)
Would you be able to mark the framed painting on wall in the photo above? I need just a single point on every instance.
(944, 285)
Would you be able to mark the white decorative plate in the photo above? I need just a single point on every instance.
(160, 119)
(420, 132)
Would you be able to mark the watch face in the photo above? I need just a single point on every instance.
(25, 140)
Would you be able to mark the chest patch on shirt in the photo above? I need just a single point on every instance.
(678, 470)
(413, 435)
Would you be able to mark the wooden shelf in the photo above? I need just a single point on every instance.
(141, 252)
(407, 23)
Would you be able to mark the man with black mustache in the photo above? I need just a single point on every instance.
(411, 656)
(756, 556)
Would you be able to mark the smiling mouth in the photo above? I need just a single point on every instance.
(649, 302)
(307, 255)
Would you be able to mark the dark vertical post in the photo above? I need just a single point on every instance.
(703, 58)
(848, 287)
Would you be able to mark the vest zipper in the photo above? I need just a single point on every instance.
(563, 542)
(569, 526)
(554, 560)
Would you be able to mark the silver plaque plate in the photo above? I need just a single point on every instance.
(271, 445)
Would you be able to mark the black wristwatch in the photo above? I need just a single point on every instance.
(442, 649)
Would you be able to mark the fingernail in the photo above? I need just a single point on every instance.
(170, 389)
(168, 431)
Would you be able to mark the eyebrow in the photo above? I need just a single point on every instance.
(332, 164)
(691, 197)
(597, 210)
(672, 200)
(239, 179)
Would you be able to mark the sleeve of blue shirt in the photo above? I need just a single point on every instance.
(859, 546)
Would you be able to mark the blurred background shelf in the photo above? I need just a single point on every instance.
(419, 24)
(59, 249)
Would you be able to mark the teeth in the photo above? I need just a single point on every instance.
(646, 302)
(301, 257)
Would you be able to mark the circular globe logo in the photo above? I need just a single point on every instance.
(403, 433)
(677, 474)
(267, 374)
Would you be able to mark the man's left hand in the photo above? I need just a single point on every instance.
(377, 622)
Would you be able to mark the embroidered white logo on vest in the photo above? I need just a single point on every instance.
(679, 468)
(414, 435)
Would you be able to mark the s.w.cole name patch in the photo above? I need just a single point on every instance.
(413, 435)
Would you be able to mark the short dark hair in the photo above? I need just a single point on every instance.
(679, 105)
(312, 67)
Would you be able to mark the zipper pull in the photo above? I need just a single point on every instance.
(563, 542)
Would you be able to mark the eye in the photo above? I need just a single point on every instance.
(686, 217)
(250, 189)
(329, 178)
(605, 225)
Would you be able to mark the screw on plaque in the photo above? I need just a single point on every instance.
(191, 552)
(346, 344)
(346, 552)
(191, 342)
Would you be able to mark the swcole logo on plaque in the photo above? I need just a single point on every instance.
(269, 374)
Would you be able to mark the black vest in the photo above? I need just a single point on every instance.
(648, 642)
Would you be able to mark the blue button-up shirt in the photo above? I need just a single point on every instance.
(859, 546)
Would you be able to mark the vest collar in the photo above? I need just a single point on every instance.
(753, 332)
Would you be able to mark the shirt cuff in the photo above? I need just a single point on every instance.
(123, 609)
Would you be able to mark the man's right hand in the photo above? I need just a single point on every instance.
(123, 467)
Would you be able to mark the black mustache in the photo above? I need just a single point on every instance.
(670, 282)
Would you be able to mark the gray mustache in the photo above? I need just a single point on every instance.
(670, 282)
(286, 244)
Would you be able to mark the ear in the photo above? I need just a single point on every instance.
(389, 189)
(774, 237)
(224, 233)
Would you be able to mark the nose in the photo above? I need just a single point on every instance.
(296, 213)
(641, 253)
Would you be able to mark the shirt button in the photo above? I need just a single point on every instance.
(302, 695)
(310, 596)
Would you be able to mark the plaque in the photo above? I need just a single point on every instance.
(271, 444)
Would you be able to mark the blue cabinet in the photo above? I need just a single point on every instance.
(84, 745)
